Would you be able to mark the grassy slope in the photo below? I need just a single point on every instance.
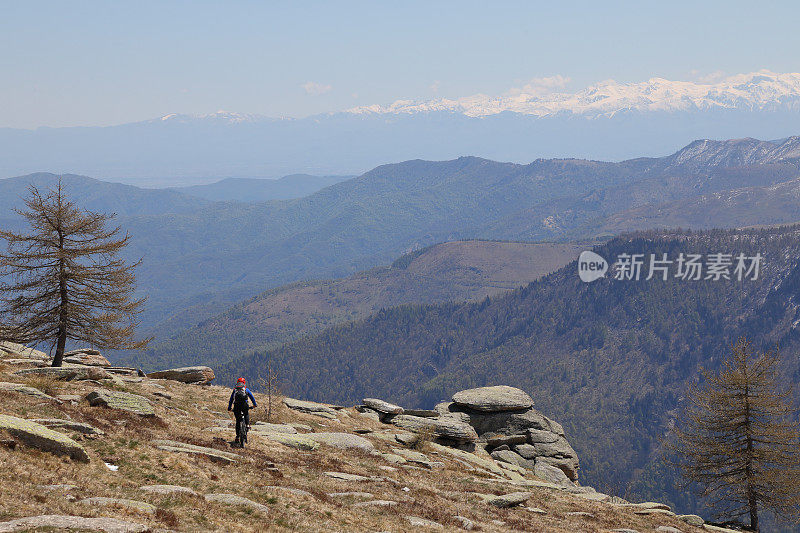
(438, 495)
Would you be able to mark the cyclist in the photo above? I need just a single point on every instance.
(241, 408)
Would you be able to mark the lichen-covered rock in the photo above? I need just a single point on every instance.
(197, 375)
(232, 499)
(86, 357)
(70, 425)
(66, 373)
(42, 438)
(131, 505)
(299, 442)
(12, 349)
(383, 406)
(24, 389)
(507, 456)
(70, 523)
(124, 401)
(309, 407)
(443, 427)
(168, 489)
(266, 427)
(493, 399)
(509, 500)
(550, 473)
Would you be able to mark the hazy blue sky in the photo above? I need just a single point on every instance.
(90, 63)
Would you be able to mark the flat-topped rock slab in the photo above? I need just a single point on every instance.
(383, 406)
(66, 373)
(25, 389)
(168, 489)
(308, 407)
(131, 505)
(42, 438)
(232, 499)
(86, 357)
(445, 427)
(493, 399)
(78, 523)
(197, 375)
(509, 500)
(8, 348)
(124, 401)
(69, 425)
(298, 442)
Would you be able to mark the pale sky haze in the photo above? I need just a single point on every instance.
(103, 63)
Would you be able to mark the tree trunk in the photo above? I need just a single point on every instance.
(753, 514)
(62, 308)
(752, 501)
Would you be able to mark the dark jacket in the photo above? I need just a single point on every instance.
(249, 395)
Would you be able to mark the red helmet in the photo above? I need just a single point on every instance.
(241, 380)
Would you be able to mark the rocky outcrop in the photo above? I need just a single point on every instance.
(25, 389)
(195, 375)
(14, 350)
(70, 523)
(445, 429)
(314, 408)
(500, 419)
(124, 401)
(66, 373)
(382, 406)
(69, 425)
(86, 357)
(232, 499)
(493, 399)
(39, 437)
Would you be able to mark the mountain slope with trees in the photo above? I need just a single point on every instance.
(210, 255)
(463, 270)
(612, 358)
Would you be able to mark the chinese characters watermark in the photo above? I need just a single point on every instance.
(689, 267)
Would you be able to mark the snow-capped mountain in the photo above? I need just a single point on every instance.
(758, 90)
(607, 121)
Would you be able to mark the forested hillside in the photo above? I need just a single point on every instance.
(462, 270)
(210, 255)
(610, 359)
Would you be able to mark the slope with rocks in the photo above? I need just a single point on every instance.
(312, 467)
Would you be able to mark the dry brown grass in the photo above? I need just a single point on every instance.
(47, 384)
(437, 495)
(422, 440)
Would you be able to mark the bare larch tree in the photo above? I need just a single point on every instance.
(64, 280)
(739, 438)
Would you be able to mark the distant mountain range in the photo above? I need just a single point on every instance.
(208, 255)
(755, 91)
(607, 121)
(261, 190)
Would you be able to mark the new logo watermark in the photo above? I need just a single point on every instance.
(690, 267)
(591, 266)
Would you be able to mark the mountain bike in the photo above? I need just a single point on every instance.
(241, 433)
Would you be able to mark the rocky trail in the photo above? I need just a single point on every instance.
(90, 447)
